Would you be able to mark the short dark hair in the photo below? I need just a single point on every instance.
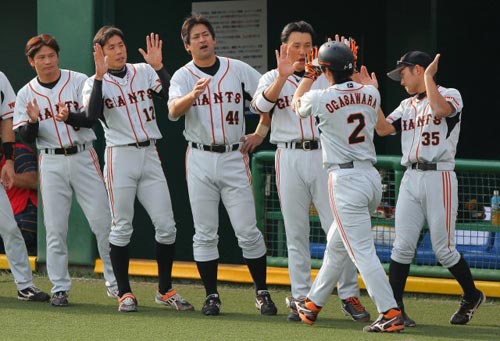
(107, 32)
(190, 22)
(37, 42)
(342, 76)
(296, 26)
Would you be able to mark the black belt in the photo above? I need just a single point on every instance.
(346, 165)
(140, 144)
(305, 145)
(217, 148)
(424, 166)
(64, 151)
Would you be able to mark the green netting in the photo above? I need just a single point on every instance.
(477, 239)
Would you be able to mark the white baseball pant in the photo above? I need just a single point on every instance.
(354, 193)
(301, 179)
(60, 177)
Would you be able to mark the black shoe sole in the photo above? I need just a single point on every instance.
(293, 317)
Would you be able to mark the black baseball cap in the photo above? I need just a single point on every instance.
(411, 58)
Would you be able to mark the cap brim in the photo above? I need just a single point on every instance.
(395, 74)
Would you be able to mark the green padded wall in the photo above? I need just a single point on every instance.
(72, 24)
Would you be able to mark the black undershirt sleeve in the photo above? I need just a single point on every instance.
(397, 125)
(165, 82)
(29, 132)
(95, 111)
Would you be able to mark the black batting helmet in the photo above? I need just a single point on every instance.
(336, 56)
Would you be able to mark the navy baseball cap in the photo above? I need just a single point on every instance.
(411, 58)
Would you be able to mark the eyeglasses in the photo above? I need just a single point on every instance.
(403, 63)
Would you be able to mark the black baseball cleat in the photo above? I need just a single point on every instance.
(409, 322)
(352, 307)
(60, 299)
(264, 303)
(388, 322)
(467, 309)
(308, 311)
(33, 294)
(212, 305)
(290, 303)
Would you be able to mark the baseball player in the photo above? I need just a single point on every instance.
(429, 122)
(210, 91)
(14, 245)
(300, 177)
(347, 113)
(68, 162)
(121, 96)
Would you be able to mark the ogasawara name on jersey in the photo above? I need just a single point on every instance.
(350, 99)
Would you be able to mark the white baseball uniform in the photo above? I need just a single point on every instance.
(132, 164)
(216, 122)
(301, 179)
(348, 114)
(13, 240)
(62, 175)
(429, 188)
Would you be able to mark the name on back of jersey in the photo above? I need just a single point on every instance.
(350, 99)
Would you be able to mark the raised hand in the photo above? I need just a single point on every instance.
(313, 70)
(153, 54)
(285, 66)
(101, 62)
(366, 78)
(200, 87)
(432, 69)
(33, 110)
(352, 44)
(63, 112)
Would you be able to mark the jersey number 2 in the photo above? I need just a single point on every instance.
(232, 117)
(355, 137)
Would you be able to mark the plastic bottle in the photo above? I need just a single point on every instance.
(495, 208)
(313, 211)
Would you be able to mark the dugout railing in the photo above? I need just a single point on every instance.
(477, 239)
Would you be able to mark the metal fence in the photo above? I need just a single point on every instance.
(477, 239)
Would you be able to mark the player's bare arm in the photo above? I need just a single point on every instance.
(101, 62)
(8, 140)
(440, 106)
(153, 54)
(304, 86)
(252, 141)
(28, 180)
(181, 105)
(383, 127)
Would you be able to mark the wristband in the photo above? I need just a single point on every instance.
(262, 130)
(8, 150)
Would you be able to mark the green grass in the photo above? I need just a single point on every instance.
(93, 316)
